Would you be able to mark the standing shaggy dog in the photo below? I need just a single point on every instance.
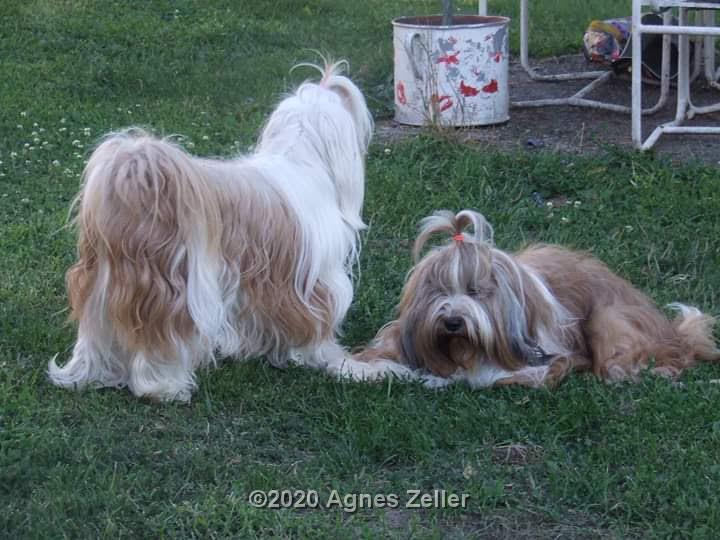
(182, 258)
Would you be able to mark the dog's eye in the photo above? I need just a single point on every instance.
(476, 291)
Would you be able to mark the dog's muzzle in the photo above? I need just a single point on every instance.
(454, 325)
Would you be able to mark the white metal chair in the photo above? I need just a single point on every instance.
(578, 99)
(685, 109)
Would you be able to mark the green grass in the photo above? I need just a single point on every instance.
(609, 461)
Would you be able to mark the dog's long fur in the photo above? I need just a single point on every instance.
(182, 259)
(470, 311)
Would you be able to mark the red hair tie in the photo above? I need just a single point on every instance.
(459, 237)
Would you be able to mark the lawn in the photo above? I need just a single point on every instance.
(587, 460)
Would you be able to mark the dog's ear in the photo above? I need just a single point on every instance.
(352, 99)
(516, 313)
(407, 347)
(350, 95)
(419, 352)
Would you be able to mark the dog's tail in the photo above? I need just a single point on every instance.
(695, 329)
(149, 244)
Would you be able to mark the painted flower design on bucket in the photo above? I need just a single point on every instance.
(456, 76)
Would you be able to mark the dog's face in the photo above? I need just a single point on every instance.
(467, 302)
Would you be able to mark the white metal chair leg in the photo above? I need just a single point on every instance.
(664, 70)
(636, 85)
(578, 99)
(711, 75)
(684, 108)
(524, 54)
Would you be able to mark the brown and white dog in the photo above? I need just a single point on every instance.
(472, 312)
(182, 259)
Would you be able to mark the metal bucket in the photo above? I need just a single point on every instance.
(451, 75)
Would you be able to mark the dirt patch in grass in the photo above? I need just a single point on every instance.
(581, 130)
(517, 454)
(516, 524)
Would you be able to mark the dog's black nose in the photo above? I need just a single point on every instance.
(454, 324)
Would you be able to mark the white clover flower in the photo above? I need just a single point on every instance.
(577, 204)
(55, 163)
(62, 120)
(564, 220)
(41, 130)
(27, 144)
(25, 200)
(19, 126)
(205, 137)
(13, 154)
(35, 124)
(23, 113)
(34, 134)
(388, 150)
(36, 140)
(62, 129)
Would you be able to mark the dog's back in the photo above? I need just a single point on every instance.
(622, 329)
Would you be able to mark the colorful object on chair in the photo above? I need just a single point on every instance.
(609, 43)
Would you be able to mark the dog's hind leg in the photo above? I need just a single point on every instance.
(95, 362)
(163, 379)
(626, 340)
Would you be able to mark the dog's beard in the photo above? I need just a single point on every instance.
(459, 351)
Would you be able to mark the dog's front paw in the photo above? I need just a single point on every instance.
(433, 381)
(373, 371)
